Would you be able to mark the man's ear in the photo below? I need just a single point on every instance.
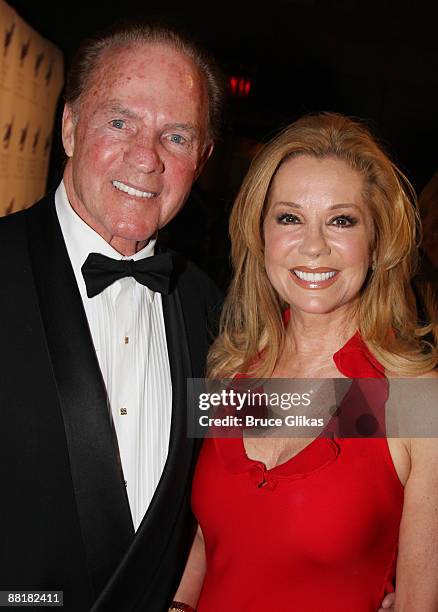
(204, 158)
(68, 130)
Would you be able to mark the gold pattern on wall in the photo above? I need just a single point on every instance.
(31, 79)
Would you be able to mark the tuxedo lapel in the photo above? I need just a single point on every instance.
(102, 504)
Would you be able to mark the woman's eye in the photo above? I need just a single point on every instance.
(119, 124)
(288, 219)
(343, 221)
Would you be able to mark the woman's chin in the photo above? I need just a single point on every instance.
(319, 307)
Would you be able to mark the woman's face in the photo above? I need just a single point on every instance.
(318, 234)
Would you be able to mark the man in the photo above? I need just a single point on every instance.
(96, 462)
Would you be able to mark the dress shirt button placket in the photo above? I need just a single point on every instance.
(123, 402)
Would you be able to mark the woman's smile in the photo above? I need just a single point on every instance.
(314, 278)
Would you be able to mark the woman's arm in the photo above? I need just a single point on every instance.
(193, 577)
(417, 565)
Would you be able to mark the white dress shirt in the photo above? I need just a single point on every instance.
(127, 327)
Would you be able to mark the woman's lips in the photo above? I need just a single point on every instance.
(314, 278)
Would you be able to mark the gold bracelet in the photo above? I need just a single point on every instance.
(179, 606)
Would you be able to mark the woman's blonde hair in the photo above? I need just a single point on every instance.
(252, 322)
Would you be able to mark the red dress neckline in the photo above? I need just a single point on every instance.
(354, 359)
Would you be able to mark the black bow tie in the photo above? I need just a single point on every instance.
(100, 272)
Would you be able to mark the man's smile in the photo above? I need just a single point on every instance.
(132, 191)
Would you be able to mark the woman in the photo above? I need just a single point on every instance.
(324, 244)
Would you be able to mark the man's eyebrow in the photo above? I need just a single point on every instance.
(185, 127)
(121, 110)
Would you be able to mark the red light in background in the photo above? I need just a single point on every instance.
(239, 86)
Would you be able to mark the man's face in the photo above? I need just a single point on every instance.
(136, 142)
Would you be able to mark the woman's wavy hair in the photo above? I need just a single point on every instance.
(252, 322)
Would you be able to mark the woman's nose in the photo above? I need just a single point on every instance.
(314, 242)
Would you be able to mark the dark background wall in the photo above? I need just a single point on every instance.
(374, 60)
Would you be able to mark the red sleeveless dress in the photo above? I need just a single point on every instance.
(320, 535)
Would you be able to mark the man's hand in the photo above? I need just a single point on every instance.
(388, 603)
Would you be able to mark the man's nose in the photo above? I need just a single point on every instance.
(143, 154)
(314, 242)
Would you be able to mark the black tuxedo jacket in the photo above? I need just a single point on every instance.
(65, 522)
